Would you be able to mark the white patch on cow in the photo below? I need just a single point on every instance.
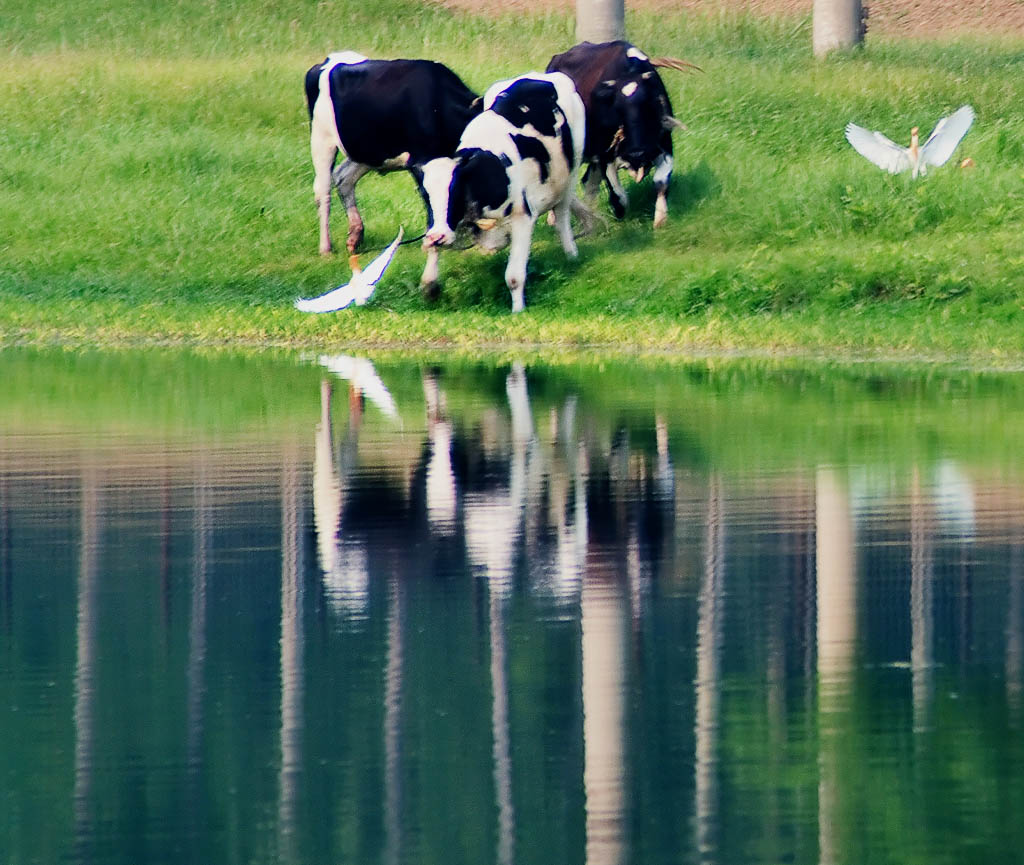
(325, 142)
(490, 131)
(636, 53)
(395, 163)
(662, 169)
(629, 89)
(324, 119)
(343, 58)
(437, 180)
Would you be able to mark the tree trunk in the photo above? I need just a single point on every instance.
(837, 25)
(600, 20)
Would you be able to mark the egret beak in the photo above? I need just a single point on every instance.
(486, 224)
(353, 263)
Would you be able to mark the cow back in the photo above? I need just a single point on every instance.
(384, 108)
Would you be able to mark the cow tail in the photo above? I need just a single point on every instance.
(312, 87)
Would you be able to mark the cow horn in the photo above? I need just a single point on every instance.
(670, 123)
(675, 63)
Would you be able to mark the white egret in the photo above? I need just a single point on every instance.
(895, 158)
(359, 288)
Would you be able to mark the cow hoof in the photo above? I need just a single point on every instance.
(325, 250)
(660, 220)
(431, 290)
(355, 239)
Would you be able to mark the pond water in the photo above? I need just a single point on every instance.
(326, 610)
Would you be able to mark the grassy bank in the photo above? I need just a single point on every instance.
(155, 186)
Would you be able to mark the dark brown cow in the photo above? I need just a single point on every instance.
(629, 117)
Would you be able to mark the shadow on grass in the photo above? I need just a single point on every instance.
(687, 191)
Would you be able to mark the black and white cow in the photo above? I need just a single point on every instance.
(383, 115)
(515, 161)
(629, 117)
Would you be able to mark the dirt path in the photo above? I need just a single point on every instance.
(903, 17)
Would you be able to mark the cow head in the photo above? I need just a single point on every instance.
(638, 104)
(472, 188)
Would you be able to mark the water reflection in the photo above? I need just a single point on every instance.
(86, 657)
(505, 613)
(707, 683)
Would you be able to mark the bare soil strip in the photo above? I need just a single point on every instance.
(891, 17)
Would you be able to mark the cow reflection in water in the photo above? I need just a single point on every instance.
(506, 492)
(500, 494)
(342, 561)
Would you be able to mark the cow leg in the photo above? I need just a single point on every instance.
(428, 282)
(591, 183)
(662, 176)
(617, 197)
(346, 176)
(563, 224)
(521, 232)
(324, 149)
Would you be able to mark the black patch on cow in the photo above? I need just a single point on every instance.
(508, 210)
(526, 206)
(568, 151)
(384, 108)
(532, 148)
(417, 175)
(479, 184)
(529, 101)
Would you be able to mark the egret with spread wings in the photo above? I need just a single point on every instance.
(358, 289)
(895, 158)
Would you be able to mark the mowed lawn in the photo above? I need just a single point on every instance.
(155, 185)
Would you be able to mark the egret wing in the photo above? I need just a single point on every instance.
(335, 299)
(359, 289)
(375, 269)
(946, 136)
(878, 149)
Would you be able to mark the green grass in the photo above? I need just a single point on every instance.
(155, 185)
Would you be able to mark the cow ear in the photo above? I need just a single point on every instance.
(670, 123)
